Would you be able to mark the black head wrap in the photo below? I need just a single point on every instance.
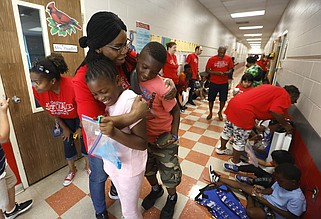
(102, 28)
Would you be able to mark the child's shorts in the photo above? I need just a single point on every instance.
(240, 135)
(6, 183)
(165, 161)
(69, 146)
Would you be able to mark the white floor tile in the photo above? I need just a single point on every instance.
(194, 118)
(83, 209)
(192, 136)
(217, 164)
(39, 210)
(212, 134)
(191, 169)
(203, 148)
(182, 152)
(184, 126)
(201, 125)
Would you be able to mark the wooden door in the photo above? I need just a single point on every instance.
(41, 153)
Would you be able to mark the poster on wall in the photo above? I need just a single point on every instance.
(59, 22)
(142, 35)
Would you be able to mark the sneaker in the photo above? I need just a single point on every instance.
(168, 210)
(69, 178)
(231, 167)
(113, 193)
(242, 179)
(103, 215)
(231, 162)
(214, 177)
(151, 198)
(19, 209)
(226, 151)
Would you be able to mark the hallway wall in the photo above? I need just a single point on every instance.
(185, 20)
(301, 67)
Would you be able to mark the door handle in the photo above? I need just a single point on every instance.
(16, 99)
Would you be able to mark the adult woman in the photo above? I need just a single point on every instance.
(106, 36)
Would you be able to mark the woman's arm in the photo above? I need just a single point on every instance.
(136, 140)
(138, 111)
(4, 122)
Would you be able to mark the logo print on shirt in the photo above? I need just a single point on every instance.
(59, 108)
(220, 64)
(149, 97)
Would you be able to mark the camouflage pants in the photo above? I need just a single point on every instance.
(165, 161)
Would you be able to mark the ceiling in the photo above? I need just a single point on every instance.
(222, 10)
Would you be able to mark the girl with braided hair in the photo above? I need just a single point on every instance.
(56, 95)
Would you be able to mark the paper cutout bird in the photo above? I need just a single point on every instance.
(63, 20)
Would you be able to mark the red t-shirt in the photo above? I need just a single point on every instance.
(160, 118)
(170, 68)
(257, 103)
(192, 60)
(216, 63)
(263, 63)
(243, 89)
(63, 104)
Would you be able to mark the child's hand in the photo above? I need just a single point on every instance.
(4, 104)
(107, 128)
(139, 108)
(66, 134)
(78, 133)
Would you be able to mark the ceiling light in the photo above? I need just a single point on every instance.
(248, 14)
(253, 34)
(253, 39)
(254, 42)
(250, 27)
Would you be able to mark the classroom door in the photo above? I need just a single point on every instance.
(24, 38)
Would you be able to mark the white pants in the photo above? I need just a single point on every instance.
(128, 189)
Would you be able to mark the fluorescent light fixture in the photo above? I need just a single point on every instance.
(250, 27)
(252, 34)
(248, 14)
(256, 42)
(253, 39)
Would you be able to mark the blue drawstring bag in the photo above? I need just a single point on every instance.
(221, 202)
(99, 145)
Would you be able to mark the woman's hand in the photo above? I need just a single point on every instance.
(171, 94)
(107, 128)
(66, 134)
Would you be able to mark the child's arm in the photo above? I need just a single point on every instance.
(176, 118)
(138, 111)
(264, 163)
(285, 214)
(66, 130)
(4, 126)
(135, 140)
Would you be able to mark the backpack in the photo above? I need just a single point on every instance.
(221, 202)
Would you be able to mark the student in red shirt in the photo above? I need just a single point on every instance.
(192, 60)
(55, 93)
(106, 36)
(262, 103)
(263, 63)
(218, 67)
(245, 85)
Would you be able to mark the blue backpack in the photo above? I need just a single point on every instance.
(221, 202)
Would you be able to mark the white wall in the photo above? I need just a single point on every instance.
(302, 65)
(179, 19)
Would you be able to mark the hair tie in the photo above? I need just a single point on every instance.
(83, 42)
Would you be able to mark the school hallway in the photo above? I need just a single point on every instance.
(198, 138)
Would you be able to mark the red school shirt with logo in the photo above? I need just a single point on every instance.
(171, 67)
(216, 63)
(62, 105)
(192, 60)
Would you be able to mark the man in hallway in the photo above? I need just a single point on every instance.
(192, 60)
(218, 67)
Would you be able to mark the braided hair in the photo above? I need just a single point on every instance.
(101, 68)
(51, 67)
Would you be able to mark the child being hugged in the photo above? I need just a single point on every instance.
(55, 93)
(245, 84)
(130, 142)
(162, 129)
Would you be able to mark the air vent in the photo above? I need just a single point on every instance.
(243, 22)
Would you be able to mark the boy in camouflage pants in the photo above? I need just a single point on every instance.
(162, 129)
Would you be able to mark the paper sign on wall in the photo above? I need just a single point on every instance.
(142, 35)
(65, 48)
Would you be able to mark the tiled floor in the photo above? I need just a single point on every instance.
(198, 138)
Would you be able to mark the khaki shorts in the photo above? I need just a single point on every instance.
(8, 182)
(164, 160)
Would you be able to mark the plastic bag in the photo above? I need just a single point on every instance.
(99, 145)
(251, 155)
(185, 95)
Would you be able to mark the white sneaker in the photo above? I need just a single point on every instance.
(226, 151)
(239, 163)
(69, 178)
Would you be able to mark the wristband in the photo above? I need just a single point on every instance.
(175, 136)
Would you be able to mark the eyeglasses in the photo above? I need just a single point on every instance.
(121, 49)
